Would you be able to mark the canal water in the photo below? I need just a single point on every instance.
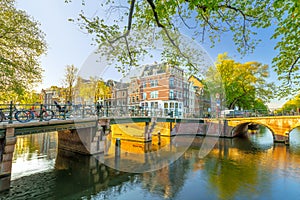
(251, 167)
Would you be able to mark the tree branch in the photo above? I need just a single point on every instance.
(291, 69)
(181, 17)
(128, 24)
(244, 20)
(160, 25)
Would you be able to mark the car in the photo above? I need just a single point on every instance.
(232, 113)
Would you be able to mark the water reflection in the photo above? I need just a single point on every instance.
(240, 168)
(295, 139)
(34, 153)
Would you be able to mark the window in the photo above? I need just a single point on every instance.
(166, 105)
(171, 81)
(153, 83)
(154, 95)
(144, 84)
(144, 95)
(171, 94)
(133, 99)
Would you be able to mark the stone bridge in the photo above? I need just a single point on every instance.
(83, 136)
(280, 126)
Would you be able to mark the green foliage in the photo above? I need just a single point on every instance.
(31, 97)
(292, 105)
(243, 84)
(126, 36)
(92, 90)
(21, 43)
(260, 106)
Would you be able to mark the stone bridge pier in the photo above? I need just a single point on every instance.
(6, 155)
(82, 138)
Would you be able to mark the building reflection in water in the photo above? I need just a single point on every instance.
(234, 168)
(30, 150)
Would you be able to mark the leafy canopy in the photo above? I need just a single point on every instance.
(21, 43)
(201, 19)
(92, 90)
(244, 84)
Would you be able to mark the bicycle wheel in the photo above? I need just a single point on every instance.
(48, 115)
(24, 116)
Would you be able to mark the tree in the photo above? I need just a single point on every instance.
(243, 83)
(210, 18)
(31, 97)
(94, 89)
(21, 44)
(69, 81)
(292, 104)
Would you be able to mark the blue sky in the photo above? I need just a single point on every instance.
(67, 44)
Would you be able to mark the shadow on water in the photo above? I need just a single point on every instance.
(254, 141)
(73, 176)
(240, 168)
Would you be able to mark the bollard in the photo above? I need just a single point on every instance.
(159, 139)
(118, 147)
(117, 154)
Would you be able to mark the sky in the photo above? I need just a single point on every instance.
(67, 44)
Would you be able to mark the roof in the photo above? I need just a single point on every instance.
(196, 81)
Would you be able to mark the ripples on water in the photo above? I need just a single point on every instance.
(239, 168)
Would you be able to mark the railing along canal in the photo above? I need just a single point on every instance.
(44, 112)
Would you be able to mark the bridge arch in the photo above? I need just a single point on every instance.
(292, 129)
(280, 126)
(242, 127)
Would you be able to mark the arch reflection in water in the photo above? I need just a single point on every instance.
(232, 170)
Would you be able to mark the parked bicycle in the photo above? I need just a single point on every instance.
(63, 111)
(20, 115)
(42, 113)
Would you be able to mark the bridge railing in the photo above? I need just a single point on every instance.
(71, 111)
(78, 111)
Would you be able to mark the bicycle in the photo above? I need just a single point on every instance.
(20, 115)
(24, 116)
(63, 112)
(45, 114)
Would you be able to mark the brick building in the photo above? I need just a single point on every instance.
(158, 90)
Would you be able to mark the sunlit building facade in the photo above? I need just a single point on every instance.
(158, 90)
(162, 90)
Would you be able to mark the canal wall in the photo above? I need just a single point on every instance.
(7, 149)
(86, 141)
